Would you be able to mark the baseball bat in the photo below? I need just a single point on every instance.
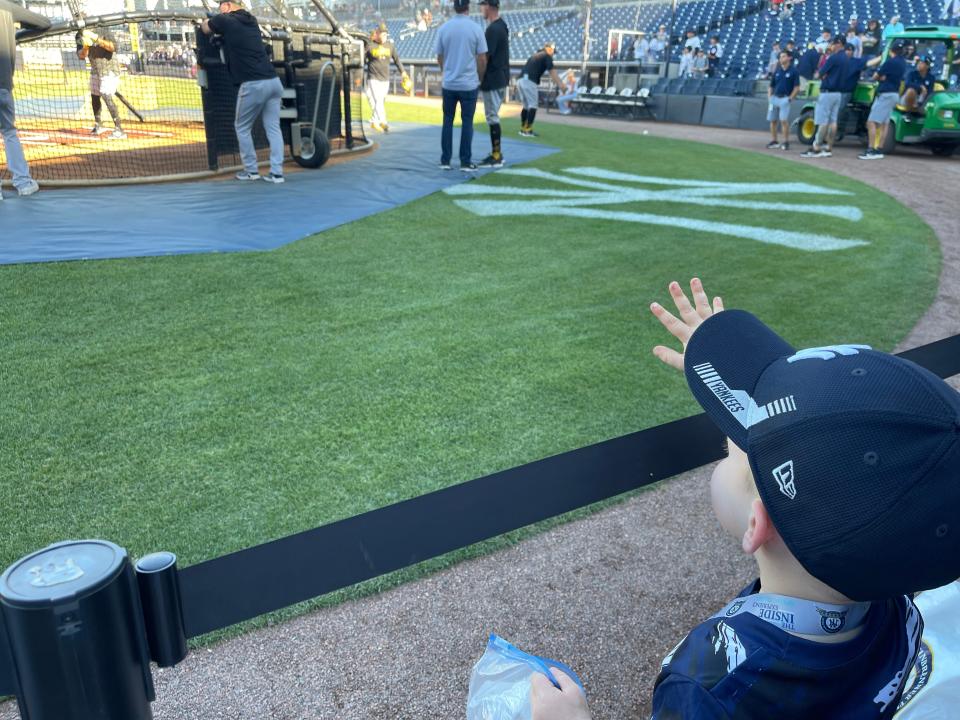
(130, 107)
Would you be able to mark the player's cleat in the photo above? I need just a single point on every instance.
(28, 189)
(491, 162)
(528, 133)
(385, 128)
(118, 134)
(826, 153)
(811, 153)
(444, 165)
(773, 145)
(96, 130)
(785, 146)
(244, 175)
(275, 179)
(468, 167)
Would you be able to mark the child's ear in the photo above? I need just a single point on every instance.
(760, 529)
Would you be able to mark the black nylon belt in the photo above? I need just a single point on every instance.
(242, 585)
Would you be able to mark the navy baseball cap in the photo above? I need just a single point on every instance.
(855, 453)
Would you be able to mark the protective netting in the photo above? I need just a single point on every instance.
(158, 103)
(167, 126)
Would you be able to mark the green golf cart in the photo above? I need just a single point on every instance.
(935, 125)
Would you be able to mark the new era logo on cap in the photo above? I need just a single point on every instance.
(783, 474)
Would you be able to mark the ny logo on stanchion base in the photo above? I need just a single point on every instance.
(596, 187)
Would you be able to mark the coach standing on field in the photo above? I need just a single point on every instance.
(462, 55)
(496, 78)
(16, 162)
(260, 88)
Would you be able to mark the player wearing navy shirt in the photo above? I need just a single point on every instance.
(841, 484)
(783, 89)
(890, 74)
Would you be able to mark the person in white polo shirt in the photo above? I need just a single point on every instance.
(462, 55)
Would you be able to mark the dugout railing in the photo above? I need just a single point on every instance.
(77, 618)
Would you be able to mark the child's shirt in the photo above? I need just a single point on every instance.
(739, 666)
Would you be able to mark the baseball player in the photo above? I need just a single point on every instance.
(841, 483)
(379, 52)
(493, 86)
(529, 85)
(260, 90)
(99, 48)
(16, 162)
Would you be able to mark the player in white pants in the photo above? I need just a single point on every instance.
(379, 53)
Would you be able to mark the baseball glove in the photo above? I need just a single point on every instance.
(88, 38)
(406, 83)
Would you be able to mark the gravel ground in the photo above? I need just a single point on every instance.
(609, 594)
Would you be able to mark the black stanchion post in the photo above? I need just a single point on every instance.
(76, 637)
(160, 594)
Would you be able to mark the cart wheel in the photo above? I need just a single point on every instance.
(806, 128)
(943, 149)
(314, 148)
(890, 141)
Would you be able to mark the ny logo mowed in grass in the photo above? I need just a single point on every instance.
(597, 187)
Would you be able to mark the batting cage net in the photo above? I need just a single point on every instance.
(163, 105)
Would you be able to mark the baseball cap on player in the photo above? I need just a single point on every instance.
(491, 3)
(855, 453)
(460, 4)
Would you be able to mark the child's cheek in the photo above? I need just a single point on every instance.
(728, 499)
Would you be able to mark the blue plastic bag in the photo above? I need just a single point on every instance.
(500, 682)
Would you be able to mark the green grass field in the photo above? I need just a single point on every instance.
(205, 403)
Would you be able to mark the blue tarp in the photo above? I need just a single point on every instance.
(230, 216)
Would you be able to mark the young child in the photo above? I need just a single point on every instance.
(843, 482)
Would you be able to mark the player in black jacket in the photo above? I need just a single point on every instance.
(260, 90)
(496, 78)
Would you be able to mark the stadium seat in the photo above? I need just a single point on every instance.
(727, 86)
(710, 86)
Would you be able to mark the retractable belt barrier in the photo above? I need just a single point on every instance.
(77, 618)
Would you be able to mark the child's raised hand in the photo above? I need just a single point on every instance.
(690, 318)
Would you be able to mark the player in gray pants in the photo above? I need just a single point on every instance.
(260, 99)
(260, 90)
(529, 85)
(16, 162)
(496, 77)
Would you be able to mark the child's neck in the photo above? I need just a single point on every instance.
(781, 574)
